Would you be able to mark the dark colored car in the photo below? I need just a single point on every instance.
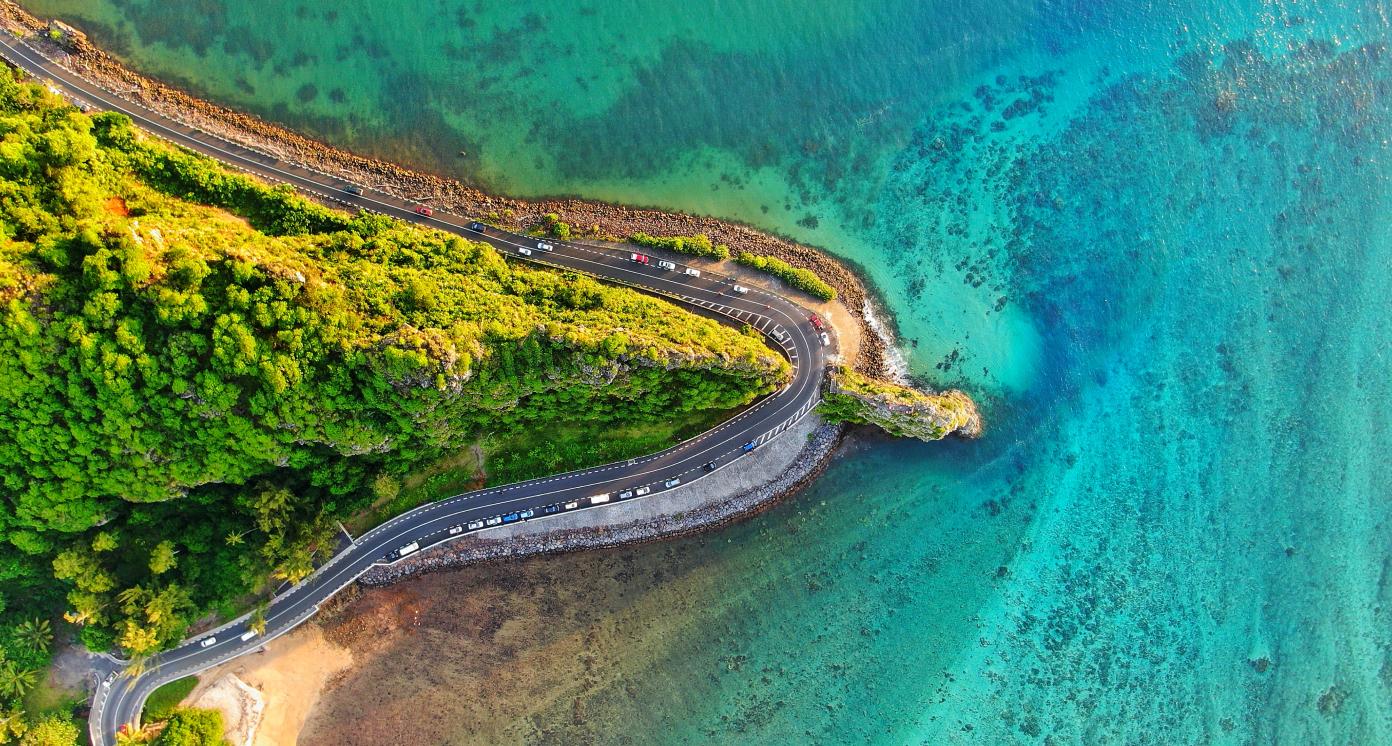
(353, 189)
(549, 509)
(512, 518)
(423, 210)
(477, 227)
(747, 447)
(710, 466)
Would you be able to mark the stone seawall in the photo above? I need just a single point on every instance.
(736, 491)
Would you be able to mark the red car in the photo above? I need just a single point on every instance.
(641, 258)
(815, 321)
(423, 210)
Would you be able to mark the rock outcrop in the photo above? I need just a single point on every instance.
(899, 410)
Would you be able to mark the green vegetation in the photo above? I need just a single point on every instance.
(164, 700)
(551, 224)
(697, 245)
(534, 454)
(898, 410)
(51, 730)
(189, 726)
(200, 374)
(802, 279)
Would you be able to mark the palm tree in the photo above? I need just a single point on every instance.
(136, 667)
(235, 538)
(15, 681)
(258, 619)
(35, 634)
(133, 735)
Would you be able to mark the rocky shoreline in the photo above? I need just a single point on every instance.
(593, 219)
(810, 462)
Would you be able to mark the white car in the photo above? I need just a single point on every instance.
(495, 520)
(673, 482)
(109, 678)
(475, 525)
(826, 341)
(692, 271)
(247, 635)
(207, 642)
(664, 264)
(456, 530)
(542, 245)
(524, 251)
(572, 505)
(642, 491)
(741, 289)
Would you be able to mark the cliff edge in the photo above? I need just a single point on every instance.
(898, 410)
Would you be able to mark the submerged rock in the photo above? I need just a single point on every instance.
(899, 410)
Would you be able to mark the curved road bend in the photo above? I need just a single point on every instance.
(120, 698)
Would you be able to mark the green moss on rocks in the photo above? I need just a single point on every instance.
(898, 410)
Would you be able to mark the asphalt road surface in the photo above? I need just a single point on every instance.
(785, 324)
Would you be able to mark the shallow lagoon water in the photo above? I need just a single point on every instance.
(1154, 239)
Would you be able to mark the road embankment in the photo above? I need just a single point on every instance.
(747, 486)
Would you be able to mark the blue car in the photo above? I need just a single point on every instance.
(549, 509)
(477, 227)
(512, 518)
(747, 447)
(528, 514)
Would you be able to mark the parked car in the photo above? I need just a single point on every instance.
(826, 341)
(673, 482)
(747, 447)
(741, 289)
(109, 678)
(780, 335)
(456, 530)
(664, 264)
(708, 466)
(550, 509)
(477, 227)
(512, 518)
(572, 505)
(207, 642)
(640, 258)
(542, 245)
(247, 635)
(524, 251)
(475, 525)
(641, 491)
(353, 189)
(625, 494)
(495, 520)
(423, 210)
(692, 272)
(528, 514)
(815, 321)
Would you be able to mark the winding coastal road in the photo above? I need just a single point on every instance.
(119, 699)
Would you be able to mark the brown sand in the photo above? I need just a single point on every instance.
(290, 674)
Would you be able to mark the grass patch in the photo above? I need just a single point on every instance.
(164, 700)
(47, 697)
(565, 448)
(528, 456)
(447, 477)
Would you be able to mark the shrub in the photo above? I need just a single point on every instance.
(803, 279)
(697, 245)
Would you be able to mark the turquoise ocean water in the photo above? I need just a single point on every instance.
(1154, 238)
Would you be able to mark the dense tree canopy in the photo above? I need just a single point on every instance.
(199, 373)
